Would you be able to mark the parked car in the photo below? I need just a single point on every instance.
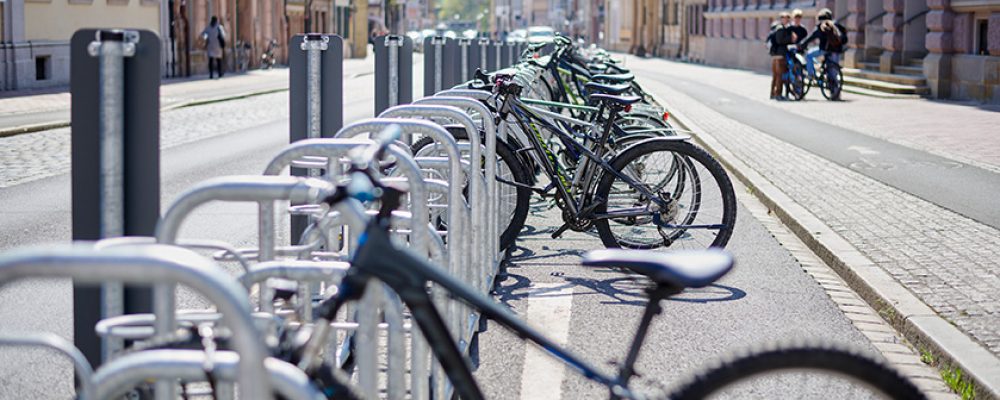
(541, 34)
(470, 34)
(517, 36)
(417, 39)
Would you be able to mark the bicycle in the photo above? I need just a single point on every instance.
(794, 78)
(639, 191)
(409, 276)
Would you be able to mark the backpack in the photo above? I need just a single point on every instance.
(833, 37)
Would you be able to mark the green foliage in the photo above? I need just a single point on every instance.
(465, 9)
(954, 379)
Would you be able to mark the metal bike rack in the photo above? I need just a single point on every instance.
(82, 369)
(490, 134)
(264, 190)
(190, 365)
(154, 264)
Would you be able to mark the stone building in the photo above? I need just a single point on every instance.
(35, 34)
(937, 48)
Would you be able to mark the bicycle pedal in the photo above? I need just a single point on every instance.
(560, 231)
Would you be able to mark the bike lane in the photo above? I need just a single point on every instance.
(885, 216)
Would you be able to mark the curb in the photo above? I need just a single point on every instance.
(23, 129)
(20, 130)
(916, 321)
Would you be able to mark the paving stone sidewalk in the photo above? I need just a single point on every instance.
(950, 262)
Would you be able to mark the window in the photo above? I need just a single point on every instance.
(42, 68)
(982, 35)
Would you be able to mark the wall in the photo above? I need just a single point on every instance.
(59, 19)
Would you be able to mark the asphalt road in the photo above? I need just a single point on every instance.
(766, 298)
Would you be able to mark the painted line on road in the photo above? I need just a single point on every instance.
(549, 310)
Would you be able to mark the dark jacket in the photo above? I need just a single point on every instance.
(823, 45)
(777, 46)
(800, 32)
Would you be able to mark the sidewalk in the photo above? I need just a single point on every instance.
(946, 260)
(35, 111)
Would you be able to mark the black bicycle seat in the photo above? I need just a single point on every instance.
(614, 78)
(595, 87)
(619, 100)
(682, 269)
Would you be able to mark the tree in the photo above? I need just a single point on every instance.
(465, 9)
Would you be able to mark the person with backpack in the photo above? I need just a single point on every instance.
(214, 37)
(832, 40)
(778, 40)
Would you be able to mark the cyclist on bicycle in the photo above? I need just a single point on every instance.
(832, 39)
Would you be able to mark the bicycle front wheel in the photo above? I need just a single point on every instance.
(807, 372)
(796, 83)
(833, 82)
(693, 205)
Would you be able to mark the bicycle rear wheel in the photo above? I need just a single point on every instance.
(820, 372)
(700, 203)
(833, 81)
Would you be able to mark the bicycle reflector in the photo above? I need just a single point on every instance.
(666, 115)
(628, 108)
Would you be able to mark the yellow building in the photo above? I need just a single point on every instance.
(35, 34)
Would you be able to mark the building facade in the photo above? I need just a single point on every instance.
(938, 48)
(35, 34)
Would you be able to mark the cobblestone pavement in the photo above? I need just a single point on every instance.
(955, 130)
(34, 156)
(947, 260)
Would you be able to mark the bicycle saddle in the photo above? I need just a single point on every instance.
(595, 87)
(614, 78)
(619, 100)
(683, 269)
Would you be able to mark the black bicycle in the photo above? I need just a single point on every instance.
(408, 275)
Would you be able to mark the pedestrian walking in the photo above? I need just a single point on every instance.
(215, 41)
(777, 41)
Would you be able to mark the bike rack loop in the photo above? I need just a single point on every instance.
(264, 190)
(55, 342)
(333, 149)
(490, 129)
(130, 370)
(154, 264)
(455, 167)
(476, 223)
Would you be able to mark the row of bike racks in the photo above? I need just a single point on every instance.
(276, 285)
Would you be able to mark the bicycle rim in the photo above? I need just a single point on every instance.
(806, 372)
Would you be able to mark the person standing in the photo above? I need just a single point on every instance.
(800, 31)
(778, 40)
(215, 41)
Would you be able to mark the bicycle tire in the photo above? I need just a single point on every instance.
(847, 363)
(795, 85)
(832, 92)
(687, 152)
(519, 174)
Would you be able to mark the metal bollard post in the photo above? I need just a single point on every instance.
(464, 44)
(438, 43)
(111, 48)
(484, 46)
(314, 44)
(393, 43)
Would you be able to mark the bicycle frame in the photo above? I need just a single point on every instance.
(527, 117)
(408, 275)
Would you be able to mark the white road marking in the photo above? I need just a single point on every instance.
(549, 310)
(863, 150)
